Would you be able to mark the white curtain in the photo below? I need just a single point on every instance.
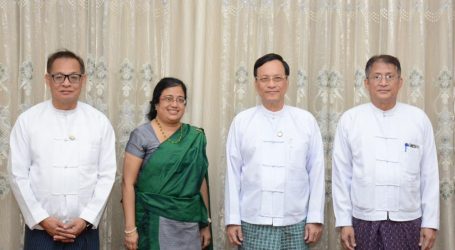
(212, 45)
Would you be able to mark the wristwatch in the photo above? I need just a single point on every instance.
(88, 225)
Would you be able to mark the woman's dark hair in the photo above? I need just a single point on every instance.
(167, 82)
(267, 58)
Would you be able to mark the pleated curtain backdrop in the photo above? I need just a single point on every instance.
(128, 45)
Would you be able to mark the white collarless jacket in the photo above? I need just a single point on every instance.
(62, 163)
(275, 168)
(385, 166)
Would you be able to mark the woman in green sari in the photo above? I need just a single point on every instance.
(165, 190)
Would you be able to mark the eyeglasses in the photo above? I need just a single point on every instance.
(378, 78)
(275, 79)
(170, 99)
(59, 78)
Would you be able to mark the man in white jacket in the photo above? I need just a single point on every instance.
(274, 194)
(62, 162)
(384, 169)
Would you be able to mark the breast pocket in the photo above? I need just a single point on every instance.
(89, 153)
(298, 151)
(411, 157)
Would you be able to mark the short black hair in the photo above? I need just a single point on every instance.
(167, 82)
(387, 59)
(270, 57)
(64, 54)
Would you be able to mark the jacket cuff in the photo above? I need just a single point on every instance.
(38, 216)
(232, 220)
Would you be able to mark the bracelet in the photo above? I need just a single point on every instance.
(131, 231)
(209, 220)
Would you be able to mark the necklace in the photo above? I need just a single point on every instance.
(166, 137)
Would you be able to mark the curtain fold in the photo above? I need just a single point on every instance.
(212, 46)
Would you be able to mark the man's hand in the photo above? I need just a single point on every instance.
(53, 227)
(235, 235)
(313, 232)
(427, 238)
(205, 236)
(75, 228)
(347, 238)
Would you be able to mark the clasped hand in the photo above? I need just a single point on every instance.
(62, 232)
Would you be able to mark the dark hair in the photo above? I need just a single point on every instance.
(387, 59)
(167, 82)
(64, 54)
(270, 57)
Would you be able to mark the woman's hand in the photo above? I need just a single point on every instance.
(205, 236)
(131, 166)
(131, 240)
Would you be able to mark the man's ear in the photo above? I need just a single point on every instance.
(366, 84)
(48, 79)
(83, 80)
(400, 83)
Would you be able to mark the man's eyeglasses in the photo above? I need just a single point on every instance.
(378, 78)
(275, 79)
(59, 78)
(170, 99)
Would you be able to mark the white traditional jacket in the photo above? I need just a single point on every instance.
(384, 166)
(275, 168)
(62, 163)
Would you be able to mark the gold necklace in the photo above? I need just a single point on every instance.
(166, 137)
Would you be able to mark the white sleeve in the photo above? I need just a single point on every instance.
(106, 176)
(429, 186)
(19, 163)
(232, 182)
(316, 172)
(342, 175)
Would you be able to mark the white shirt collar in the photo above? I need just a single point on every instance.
(389, 112)
(61, 111)
(272, 114)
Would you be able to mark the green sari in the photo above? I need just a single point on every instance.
(169, 185)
